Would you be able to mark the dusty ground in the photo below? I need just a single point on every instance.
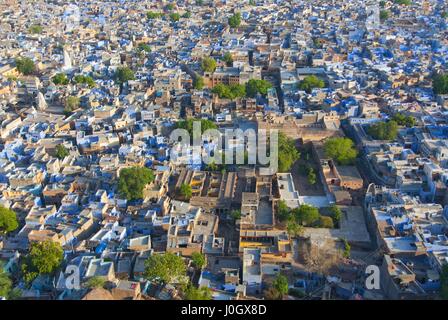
(300, 177)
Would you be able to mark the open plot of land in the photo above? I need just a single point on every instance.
(301, 183)
(352, 228)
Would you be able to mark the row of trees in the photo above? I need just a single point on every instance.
(234, 91)
(173, 16)
(208, 64)
(231, 92)
(383, 130)
(303, 216)
(307, 216)
(311, 82)
(62, 79)
(287, 153)
(403, 120)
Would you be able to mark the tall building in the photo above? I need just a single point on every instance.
(373, 15)
(67, 60)
(41, 103)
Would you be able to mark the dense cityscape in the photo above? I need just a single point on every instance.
(224, 150)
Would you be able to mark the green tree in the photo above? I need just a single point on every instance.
(281, 284)
(133, 180)
(6, 285)
(143, 47)
(254, 86)
(341, 150)
(287, 153)
(237, 91)
(165, 267)
(228, 59)
(199, 2)
(212, 166)
(294, 229)
(82, 79)
(60, 79)
(208, 64)
(174, 16)
(403, 2)
(440, 84)
(283, 211)
(25, 66)
(186, 15)
(252, 2)
(311, 176)
(96, 282)
(8, 221)
(382, 3)
(229, 91)
(36, 29)
(311, 82)
(306, 215)
(71, 103)
(444, 282)
(198, 83)
(347, 249)
(383, 130)
(235, 214)
(403, 120)
(185, 191)
(44, 258)
(150, 15)
(325, 222)
(124, 74)
(384, 15)
(198, 259)
(235, 20)
(336, 214)
(193, 293)
(61, 151)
